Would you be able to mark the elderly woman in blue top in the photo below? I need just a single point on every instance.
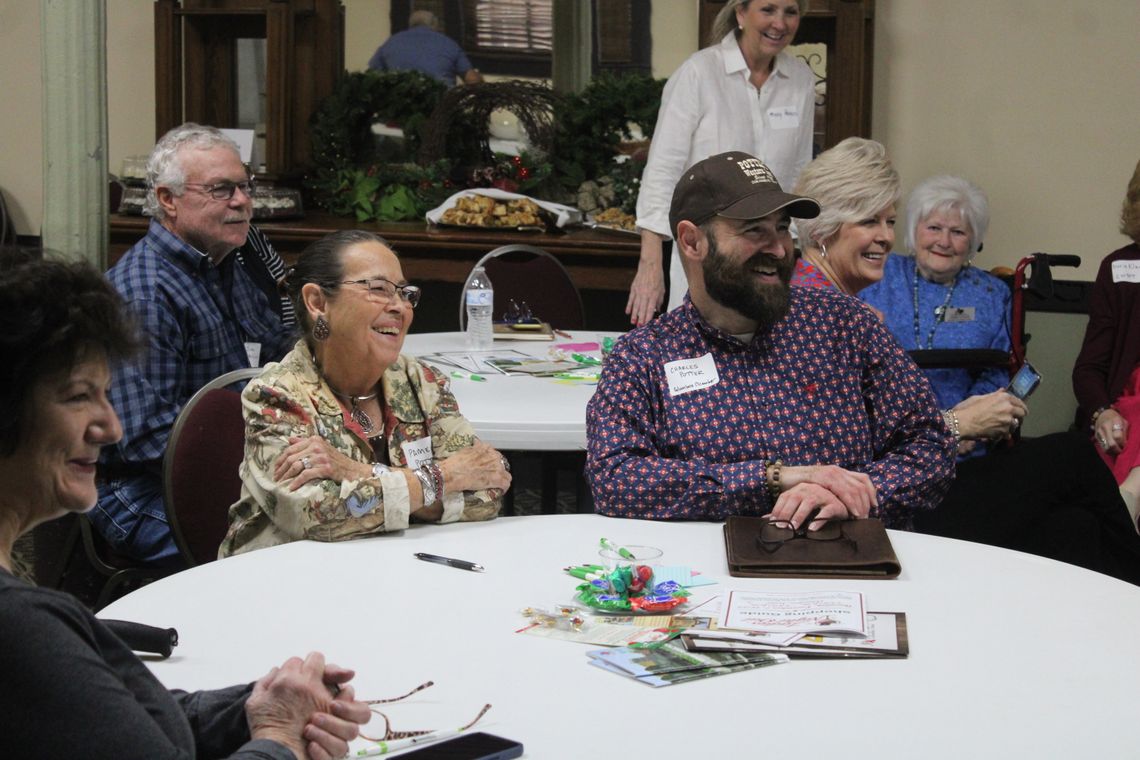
(933, 298)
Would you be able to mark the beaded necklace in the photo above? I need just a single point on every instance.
(939, 313)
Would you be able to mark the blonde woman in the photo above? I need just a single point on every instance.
(742, 93)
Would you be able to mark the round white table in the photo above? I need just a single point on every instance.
(1011, 655)
(513, 412)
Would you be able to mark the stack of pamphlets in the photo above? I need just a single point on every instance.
(670, 663)
(816, 624)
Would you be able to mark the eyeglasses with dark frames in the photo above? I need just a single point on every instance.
(381, 289)
(223, 191)
(775, 533)
(390, 735)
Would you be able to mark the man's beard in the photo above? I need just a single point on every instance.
(733, 285)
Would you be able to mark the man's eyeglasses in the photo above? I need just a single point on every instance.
(390, 735)
(381, 290)
(223, 191)
(776, 533)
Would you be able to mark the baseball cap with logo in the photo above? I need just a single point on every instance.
(734, 185)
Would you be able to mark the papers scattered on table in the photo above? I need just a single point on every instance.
(827, 612)
(886, 637)
(477, 361)
(670, 663)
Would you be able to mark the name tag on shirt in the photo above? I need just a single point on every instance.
(418, 453)
(253, 353)
(959, 314)
(784, 117)
(686, 375)
(1126, 271)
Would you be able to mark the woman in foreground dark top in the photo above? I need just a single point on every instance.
(68, 686)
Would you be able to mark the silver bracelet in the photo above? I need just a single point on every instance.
(427, 485)
(379, 469)
(950, 417)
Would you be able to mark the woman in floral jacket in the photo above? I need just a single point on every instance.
(345, 437)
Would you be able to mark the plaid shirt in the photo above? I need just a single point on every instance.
(193, 333)
(826, 385)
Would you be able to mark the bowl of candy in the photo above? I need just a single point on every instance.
(625, 583)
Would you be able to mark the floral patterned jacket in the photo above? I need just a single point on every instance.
(290, 399)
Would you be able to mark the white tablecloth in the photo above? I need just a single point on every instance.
(1012, 656)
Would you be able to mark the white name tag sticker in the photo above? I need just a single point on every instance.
(418, 453)
(1126, 271)
(687, 375)
(253, 353)
(960, 314)
(784, 117)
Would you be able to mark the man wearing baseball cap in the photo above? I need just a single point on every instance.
(753, 397)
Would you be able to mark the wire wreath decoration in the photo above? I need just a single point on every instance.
(469, 107)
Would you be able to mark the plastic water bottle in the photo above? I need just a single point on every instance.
(480, 299)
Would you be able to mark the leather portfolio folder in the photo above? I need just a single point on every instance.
(861, 550)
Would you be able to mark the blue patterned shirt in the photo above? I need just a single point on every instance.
(825, 385)
(193, 332)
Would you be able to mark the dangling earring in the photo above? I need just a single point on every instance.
(823, 249)
(321, 329)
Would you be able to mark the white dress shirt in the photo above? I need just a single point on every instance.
(709, 106)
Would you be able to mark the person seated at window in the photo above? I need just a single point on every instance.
(1044, 495)
(1106, 376)
(423, 48)
(71, 686)
(345, 437)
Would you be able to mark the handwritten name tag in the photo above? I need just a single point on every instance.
(686, 375)
(418, 453)
(1126, 271)
(960, 314)
(784, 117)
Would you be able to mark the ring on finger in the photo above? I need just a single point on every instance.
(306, 463)
(1117, 426)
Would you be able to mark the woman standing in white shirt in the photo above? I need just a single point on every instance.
(744, 93)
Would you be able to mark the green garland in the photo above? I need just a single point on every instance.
(343, 144)
(591, 124)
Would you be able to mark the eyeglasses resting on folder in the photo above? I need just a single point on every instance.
(775, 533)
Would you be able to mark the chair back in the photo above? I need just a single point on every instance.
(200, 468)
(528, 273)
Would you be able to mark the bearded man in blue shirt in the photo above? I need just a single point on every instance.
(200, 314)
(756, 398)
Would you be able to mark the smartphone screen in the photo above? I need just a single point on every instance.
(1024, 382)
(476, 746)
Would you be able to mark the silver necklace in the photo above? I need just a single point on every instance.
(356, 412)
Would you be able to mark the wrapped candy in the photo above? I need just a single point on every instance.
(630, 588)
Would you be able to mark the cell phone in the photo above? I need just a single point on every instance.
(476, 746)
(1024, 382)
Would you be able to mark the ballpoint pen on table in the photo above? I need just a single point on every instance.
(622, 552)
(468, 376)
(384, 748)
(462, 564)
(561, 333)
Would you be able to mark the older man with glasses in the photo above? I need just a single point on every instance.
(201, 315)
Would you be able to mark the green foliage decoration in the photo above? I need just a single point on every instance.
(592, 123)
(344, 147)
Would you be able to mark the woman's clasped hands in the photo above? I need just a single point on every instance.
(475, 468)
(314, 458)
(1111, 431)
(308, 707)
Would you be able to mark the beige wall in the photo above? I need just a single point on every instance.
(21, 147)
